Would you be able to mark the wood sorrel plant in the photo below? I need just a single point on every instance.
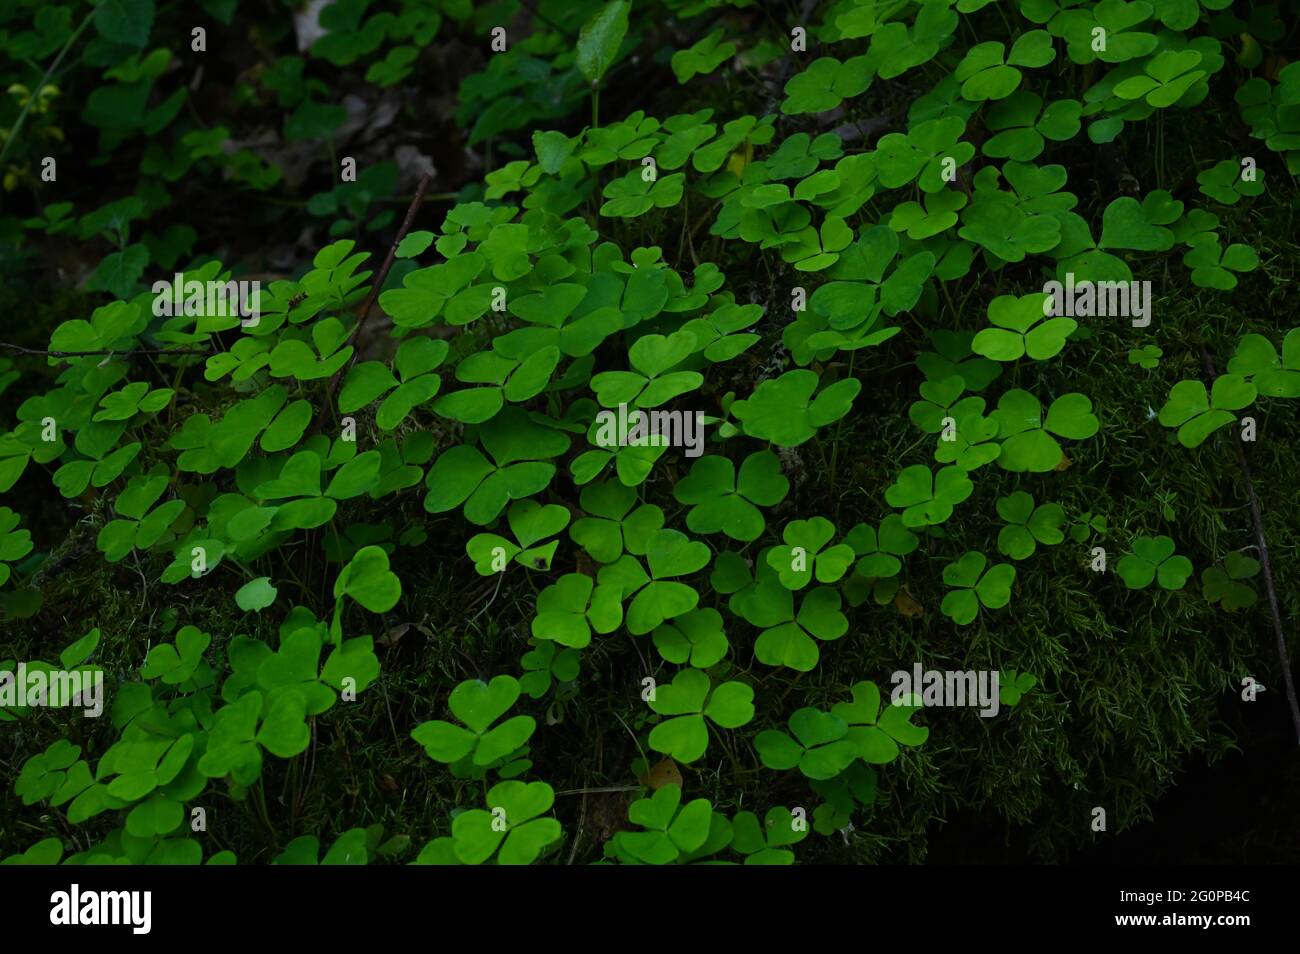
(380, 531)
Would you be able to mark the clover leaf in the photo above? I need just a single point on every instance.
(1198, 414)
(634, 195)
(819, 746)
(1013, 685)
(996, 223)
(368, 580)
(1212, 266)
(669, 553)
(897, 49)
(937, 215)
(988, 71)
(613, 526)
(1147, 357)
(530, 522)
(722, 502)
(571, 607)
(927, 498)
(1223, 585)
(477, 705)
(879, 550)
(1128, 224)
(1021, 329)
(653, 383)
(176, 665)
(1166, 78)
(877, 733)
(1257, 359)
(520, 449)
(813, 250)
(689, 701)
(703, 57)
(674, 832)
(14, 544)
(1223, 182)
(1027, 525)
(696, 638)
(1153, 558)
(825, 83)
(544, 663)
(1027, 441)
(765, 843)
(974, 586)
(921, 151)
(783, 410)
(802, 555)
(511, 828)
(1021, 125)
(366, 382)
(787, 637)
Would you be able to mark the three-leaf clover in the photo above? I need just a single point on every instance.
(669, 553)
(1021, 329)
(1013, 685)
(988, 71)
(1197, 414)
(1153, 558)
(819, 746)
(877, 733)
(1027, 436)
(511, 824)
(416, 361)
(1027, 525)
(674, 830)
(1165, 78)
(696, 638)
(787, 637)
(765, 843)
(613, 526)
(14, 544)
(975, 586)
(520, 450)
(825, 83)
(1223, 585)
(802, 555)
(723, 502)
(783, 410)
(688, 700)
(1225, 183)
(531, 523)
(1273, 376)
(703, 57)
(571, 607)
(927, 498)
(1212, 265)
(478, 705)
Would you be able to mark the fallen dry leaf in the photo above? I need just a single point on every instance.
(664, 773)
(906, 603)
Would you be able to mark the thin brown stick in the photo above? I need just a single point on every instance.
(1256, 515)
(378, 284)
(89, 354)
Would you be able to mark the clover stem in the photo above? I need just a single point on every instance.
(22, 116)
(1265, 564)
